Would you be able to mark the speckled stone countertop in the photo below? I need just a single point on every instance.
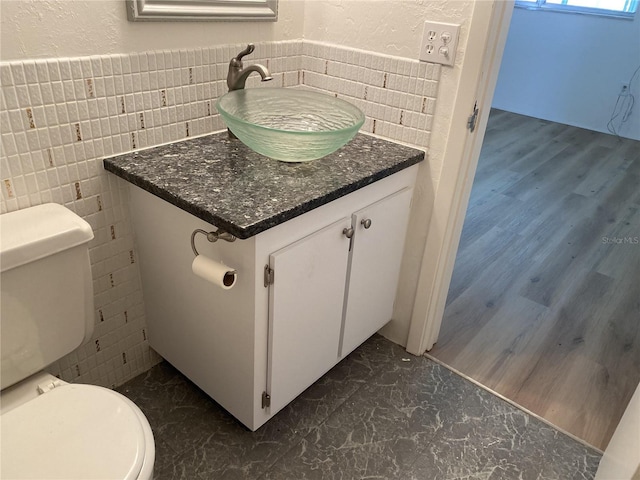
(226, 184)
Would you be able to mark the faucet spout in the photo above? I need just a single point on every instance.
(237, 75)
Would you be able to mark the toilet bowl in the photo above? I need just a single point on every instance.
(51, 429)
(72, 432)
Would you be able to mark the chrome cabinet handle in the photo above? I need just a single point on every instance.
(348, 232)
(366, 223)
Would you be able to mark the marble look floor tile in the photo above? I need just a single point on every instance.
(375, 460)
(379, 414)
(211, 460)
(317, 402)
(165, 455)
(173, 409)
(490, 439)
(217, 446)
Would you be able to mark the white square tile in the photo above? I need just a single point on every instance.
(118, 82)
(107, 65)
(109, 87)
(126, 64)
(431, 106)
(47, 94)
(144, 84)
(147, 101)
(152, 61)
(22, 92)
(99, 87)
(69, 90)
(75, 68)
(80, 89)
(116, 65)
(429, 71)
(18, 74)
(86, 67)
(5, 125)
(167, 60)
(96, 66)
(10, 98)
(128, 83)
(16, 119)
(42, 71)
(435, 75)
(136, 82)
(105, 126)
(134, 61)
(5, 75)
(83, 110)
(114, 126)
(31, 184)
(72, 111)
(175, 59)
(153, 81)
(45, 140)
(9, 145)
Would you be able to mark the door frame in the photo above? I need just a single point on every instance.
(488, 31)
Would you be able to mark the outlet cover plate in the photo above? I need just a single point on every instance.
(439, 43)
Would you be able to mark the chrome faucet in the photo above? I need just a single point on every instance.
(237, 75)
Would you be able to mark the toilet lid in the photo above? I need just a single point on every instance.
(72, 432)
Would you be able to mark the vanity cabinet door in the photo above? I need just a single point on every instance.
(374, 267)
(305, 311)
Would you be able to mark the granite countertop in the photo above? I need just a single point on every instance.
(226, 184)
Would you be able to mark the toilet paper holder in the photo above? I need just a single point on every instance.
(211, 236)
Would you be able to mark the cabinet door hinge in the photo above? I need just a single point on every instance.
(473, 118)
(266, 400)
(269, 276)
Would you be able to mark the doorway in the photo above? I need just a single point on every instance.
(543, 304)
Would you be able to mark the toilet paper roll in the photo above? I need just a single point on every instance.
(214, 272)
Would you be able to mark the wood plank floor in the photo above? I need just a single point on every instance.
(544, 304)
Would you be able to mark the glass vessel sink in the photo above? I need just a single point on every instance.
(289, 125)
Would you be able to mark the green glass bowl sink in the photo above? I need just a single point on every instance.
(289, 125)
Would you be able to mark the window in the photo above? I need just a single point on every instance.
(614, 8)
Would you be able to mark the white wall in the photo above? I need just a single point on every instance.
(568, 68)
(67, 28)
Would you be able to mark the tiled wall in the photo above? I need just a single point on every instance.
(397, 95)
(60, 117)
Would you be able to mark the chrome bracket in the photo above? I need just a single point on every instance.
(269, 276)
(266, 400)
(473, 118)
(211, 236)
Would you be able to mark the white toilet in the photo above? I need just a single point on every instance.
(51, 429)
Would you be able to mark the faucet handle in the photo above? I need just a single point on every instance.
(250, 48)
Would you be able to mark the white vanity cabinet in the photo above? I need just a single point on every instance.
(308, 292)
(374, 267)
(331, 291)
(305, 311)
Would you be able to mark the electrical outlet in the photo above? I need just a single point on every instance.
(439, 42)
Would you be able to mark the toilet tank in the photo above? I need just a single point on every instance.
(46, 303)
